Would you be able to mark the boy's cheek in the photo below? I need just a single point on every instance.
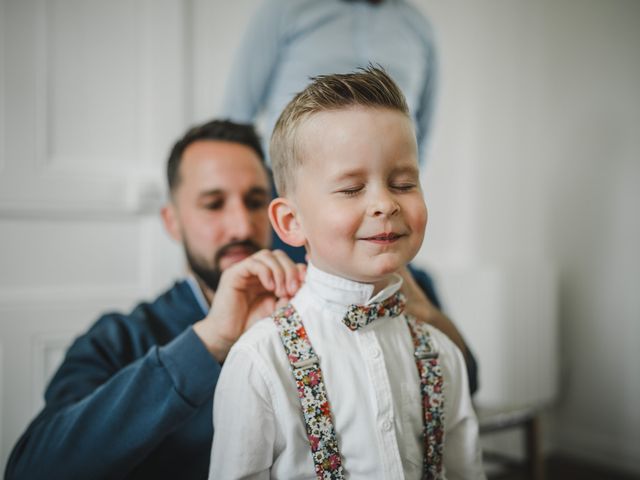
(417, 217)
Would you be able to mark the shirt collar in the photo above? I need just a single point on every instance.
(337, 291)
(340, 292)
(197, 292)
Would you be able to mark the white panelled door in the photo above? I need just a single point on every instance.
(93, 94)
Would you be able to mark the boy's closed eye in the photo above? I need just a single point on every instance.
(397, 186)
(404, 180)
(403, 186)
(351, 191)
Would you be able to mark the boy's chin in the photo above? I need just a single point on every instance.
(382, 275)
(383, 267)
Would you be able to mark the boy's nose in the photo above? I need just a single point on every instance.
(384, 204)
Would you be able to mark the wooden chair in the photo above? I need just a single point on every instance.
(527, 419)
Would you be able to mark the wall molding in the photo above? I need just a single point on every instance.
(3, 43)
(80, 295)
(47, 350)
(38, 182)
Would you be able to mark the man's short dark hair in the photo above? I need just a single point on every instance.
(222, 130)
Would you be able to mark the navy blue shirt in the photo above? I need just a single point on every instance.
(132, 399)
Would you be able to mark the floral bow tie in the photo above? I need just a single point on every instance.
(358, 316)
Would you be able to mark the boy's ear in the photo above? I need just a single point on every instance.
(285, 222)
(171, 221)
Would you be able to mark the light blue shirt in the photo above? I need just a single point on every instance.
(288, 41)
(197, 292)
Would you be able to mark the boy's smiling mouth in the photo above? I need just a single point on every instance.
(384, 238)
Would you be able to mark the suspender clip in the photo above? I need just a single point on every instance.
(306, 363)
(425, 354)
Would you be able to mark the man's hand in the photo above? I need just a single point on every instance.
(420, 307)
(248, 291)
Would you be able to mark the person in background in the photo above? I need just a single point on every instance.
(289, 41)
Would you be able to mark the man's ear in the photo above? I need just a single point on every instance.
(284, 220)
(171, 221)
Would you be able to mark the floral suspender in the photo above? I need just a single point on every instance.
(312, 394)
(432, 399)
(315, 405)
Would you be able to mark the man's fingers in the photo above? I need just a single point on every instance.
(275, 270)
(286, 275)
(301, 271)
(292, 277)
(245, 276)
(282, 301)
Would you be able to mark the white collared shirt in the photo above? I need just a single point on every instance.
(373, 387)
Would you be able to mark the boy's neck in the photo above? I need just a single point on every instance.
(382, 284)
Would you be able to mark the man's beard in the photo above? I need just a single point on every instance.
(208, 275)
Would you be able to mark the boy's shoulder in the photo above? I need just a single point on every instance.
(263, 333)
(260, 348)
(262, 343)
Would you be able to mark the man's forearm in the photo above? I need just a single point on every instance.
(109, 431)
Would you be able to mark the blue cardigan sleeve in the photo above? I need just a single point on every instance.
(101, 417)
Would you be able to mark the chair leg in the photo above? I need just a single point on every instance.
(534, 451)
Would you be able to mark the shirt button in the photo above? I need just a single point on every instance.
(375, 352)
(386, 425)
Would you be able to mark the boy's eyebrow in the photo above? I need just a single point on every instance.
(410, 169)
(402, 169)
(356, 172)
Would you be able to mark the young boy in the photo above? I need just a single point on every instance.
(339, 383)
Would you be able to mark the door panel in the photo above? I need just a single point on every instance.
(93, 94)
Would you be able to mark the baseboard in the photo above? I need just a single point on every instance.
(615, 453)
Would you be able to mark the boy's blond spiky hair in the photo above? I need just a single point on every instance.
(367, 87)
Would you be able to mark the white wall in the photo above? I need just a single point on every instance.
(535, 161)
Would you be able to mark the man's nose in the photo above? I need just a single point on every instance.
(239, 223)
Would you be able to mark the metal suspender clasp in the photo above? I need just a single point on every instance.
(423, 354)
(306, 363)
